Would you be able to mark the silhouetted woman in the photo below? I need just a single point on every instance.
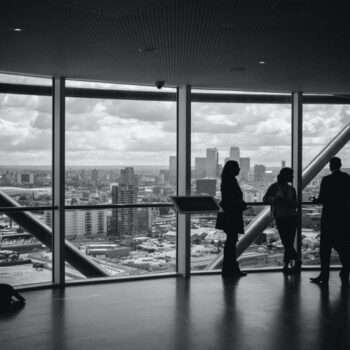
(282, 198)
(231, 219)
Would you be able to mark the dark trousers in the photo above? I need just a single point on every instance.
(287, 228)
(342, 247)
(230, 264)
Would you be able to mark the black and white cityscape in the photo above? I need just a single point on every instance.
(140, 240)
(124, 152)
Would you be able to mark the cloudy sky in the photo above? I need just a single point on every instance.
(111, 132)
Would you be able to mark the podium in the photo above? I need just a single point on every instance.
(195, 204)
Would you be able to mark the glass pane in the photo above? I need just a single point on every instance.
(207, 243)
(26, 148)
(322, 123)
(151, 250)
(120, 152)
(310, 244)
(24, 259)
(258, 136)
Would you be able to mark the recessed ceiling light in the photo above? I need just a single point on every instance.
(262, 62)
(149, 49)
(17, 29)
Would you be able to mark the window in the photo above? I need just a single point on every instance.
(258, 136)
(120, 152)
(25, 181)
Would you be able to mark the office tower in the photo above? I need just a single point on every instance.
(127, 176)
(124, 220)
(283, 163)
(206, 186)
(94, 177)
(172, 170)
(245, 168)
(234, 153)
(144, 221)
(200, 166)
(163, 177)
(212, 162)
(259, 172)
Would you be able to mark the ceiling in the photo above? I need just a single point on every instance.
(204, 43)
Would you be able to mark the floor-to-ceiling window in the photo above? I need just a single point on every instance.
(25, 179)
(323, 122)
(256, 132)
(121, 155)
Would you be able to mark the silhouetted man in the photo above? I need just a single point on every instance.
(335, 221)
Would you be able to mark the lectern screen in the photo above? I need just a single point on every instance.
(195, 204)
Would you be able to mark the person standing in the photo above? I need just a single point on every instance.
(231, 219)
(282, 198)
(335, 225)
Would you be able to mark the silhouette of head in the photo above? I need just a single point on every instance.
(334, 163)
(231, 169)
(285, 175)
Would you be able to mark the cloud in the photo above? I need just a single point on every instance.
(82, 105)
(104, 132)
(42, 121)
(141, 110)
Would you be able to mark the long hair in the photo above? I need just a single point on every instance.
(229, 170)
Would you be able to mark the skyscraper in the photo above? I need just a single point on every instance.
(94, 177)
(124, 220)
(212, 162)
(172, 170)
(234, 153)
(127, 176)
(259, 172)
(245, 169)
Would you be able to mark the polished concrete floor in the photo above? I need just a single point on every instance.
(260, 311)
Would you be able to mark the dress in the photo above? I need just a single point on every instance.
(282, 198)
(231, 222)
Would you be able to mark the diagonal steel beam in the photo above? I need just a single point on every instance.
(262, 220)
(43, 233)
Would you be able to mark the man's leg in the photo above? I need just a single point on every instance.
(342, 246)
(325, 257)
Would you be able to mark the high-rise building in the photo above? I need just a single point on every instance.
(127, 176)
(124, 220)
(283, 164)
(245, 168)
(206, 186)
(212, 162)
(163, 177)
(172, 170)
(200, 166)
(94, 177)
(234, 154)
(259, 172)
